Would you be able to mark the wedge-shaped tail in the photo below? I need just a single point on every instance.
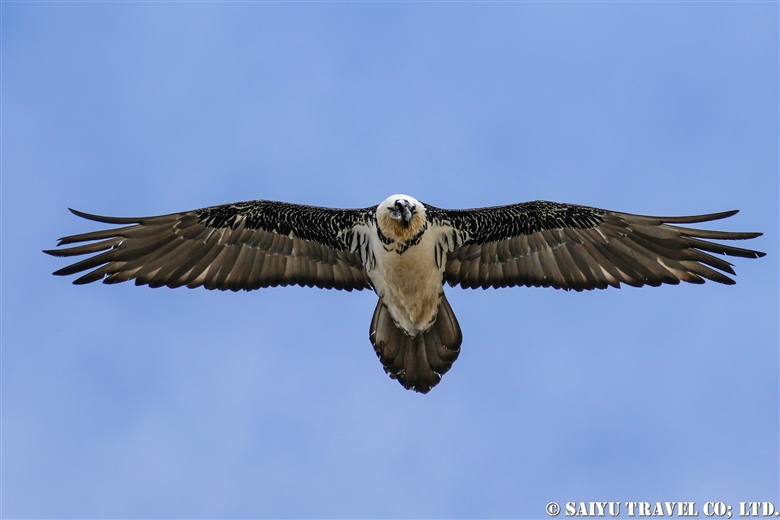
(418, 362)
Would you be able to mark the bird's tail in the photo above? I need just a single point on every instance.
(416, 362)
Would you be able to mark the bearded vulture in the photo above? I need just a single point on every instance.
(404, 250)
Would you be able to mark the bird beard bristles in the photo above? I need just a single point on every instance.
(395, 229)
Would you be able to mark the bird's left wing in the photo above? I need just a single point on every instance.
(245, 245)
(565, 246)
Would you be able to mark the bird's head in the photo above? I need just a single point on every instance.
(401, 217)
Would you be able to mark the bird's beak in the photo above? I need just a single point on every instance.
(406, 215)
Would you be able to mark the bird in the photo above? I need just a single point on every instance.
(405, 251)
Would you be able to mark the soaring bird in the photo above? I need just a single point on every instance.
(404, 250)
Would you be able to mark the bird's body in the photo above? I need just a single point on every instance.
(409, 283)
(405, 275)
(405, 251)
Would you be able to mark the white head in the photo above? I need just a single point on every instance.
(400, 217)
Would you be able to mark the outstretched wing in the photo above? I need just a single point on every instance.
(547, 244)
(247, 245)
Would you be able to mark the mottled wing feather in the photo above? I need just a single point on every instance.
(246, 245)
(547, 244)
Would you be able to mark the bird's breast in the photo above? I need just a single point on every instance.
(409, 283)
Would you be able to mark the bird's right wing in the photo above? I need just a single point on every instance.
(246, 245)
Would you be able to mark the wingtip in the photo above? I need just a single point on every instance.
(105, 219)
(725, 214)
(82, 214)
(59, 253)
(692, 219)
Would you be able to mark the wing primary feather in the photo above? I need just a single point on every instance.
(85, 249)
(147, 248)
(93, 235)
(621, 271)
(649, 260)
(683, 254)
(140, 249)
(635, 260)
(589, 267)
(107, 220)
(710, 274)
(194, 277)
(87, 263)
(92, 276)
(693, 219)
(151, 264)
(723, 249)
(176, 263)
(193, 255)
(717, 235)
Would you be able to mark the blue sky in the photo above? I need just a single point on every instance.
(120, 401)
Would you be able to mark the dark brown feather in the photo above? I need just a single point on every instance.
(231, 247)
(418, 362)
(576, 247)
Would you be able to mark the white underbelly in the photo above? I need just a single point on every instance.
(410, 284)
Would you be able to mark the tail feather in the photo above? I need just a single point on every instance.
(417, 362)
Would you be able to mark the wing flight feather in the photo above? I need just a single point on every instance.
(245, 245)
(548, 244)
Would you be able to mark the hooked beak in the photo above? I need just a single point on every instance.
(406, 215)
(403, 211)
